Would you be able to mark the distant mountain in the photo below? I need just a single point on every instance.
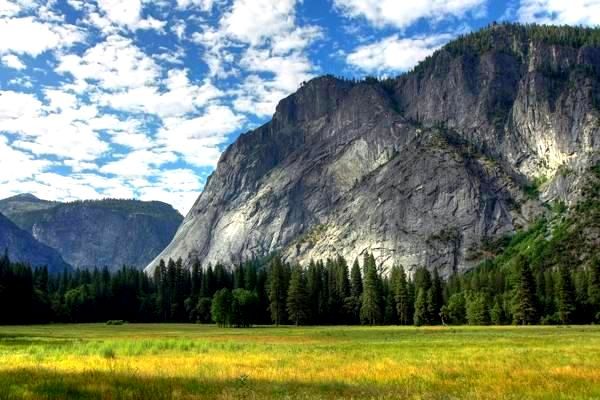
(478, 141)
(22, 247)
(96, 233)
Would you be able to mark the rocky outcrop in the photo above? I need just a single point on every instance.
(99, 233)
(22, 247)
(419, 169)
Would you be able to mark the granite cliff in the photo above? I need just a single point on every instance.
(96, 233)
(474, 143)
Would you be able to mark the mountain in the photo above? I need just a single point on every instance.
(479, 140)
(22, 247)
(96, 232)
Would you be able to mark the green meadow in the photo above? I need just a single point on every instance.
(185, 361)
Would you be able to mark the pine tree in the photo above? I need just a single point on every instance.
(525, 310)
(370, 310)
(314, 291)
(594, 289)
(277, 291)
(356, 289)
(477, 309)
(437, 297)
(420, 316)
(297, 298)
(497, 314)
(400, 289)
(565, 296)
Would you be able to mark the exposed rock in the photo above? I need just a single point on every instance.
(22, 247)
(99, 233)
(419, 169)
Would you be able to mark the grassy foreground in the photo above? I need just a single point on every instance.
(194, 361)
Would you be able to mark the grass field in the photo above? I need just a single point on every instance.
(195, 361)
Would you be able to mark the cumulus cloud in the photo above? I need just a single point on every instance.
(179, 97)
(178, 187)
(116, 63)
(139, 163)
(124, 13)
(198, 139)
(402, 14)
(204, 5)
(261, 41)
(58, 128)
(395, 54)
(11, 8)
(574, 12)
(30, 36)
(12, 61)
(254, 21)
(18, 165)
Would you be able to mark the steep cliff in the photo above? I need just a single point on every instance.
(419, 170)
(97, 233)
(22, 247)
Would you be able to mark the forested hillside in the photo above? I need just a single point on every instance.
(421, 170)
(548, 274)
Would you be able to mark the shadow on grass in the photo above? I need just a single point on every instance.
(40, 383)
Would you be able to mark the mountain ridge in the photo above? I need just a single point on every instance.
(22, 247)
(456, 145)
(96, 233)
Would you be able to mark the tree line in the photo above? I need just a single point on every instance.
(321, 293)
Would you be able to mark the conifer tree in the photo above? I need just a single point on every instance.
(370, 310)
(565, 296)
(497, 315)
(314, 291)
(437, 297)
(477, 309)
(356, 289)
(400, 289)
(594, 289)
(277, 291)
(420, 316)
(525, 310)
(297, 298)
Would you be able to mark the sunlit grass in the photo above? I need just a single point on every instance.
(194, 361)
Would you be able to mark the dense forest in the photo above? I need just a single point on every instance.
(546, 274)
(329, 292)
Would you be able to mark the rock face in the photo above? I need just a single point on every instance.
(419, 169)
(23, 247)
(97, 233)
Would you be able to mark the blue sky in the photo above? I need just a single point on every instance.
(138, 98)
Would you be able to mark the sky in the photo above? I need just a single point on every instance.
(138, 98)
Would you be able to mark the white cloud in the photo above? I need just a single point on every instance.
(179, 187)
(57, 129)
(179, 98)
(125, 13)
(253, 21)
(12, 61)
(198, 139)
(122, 12)
(259, 43)
(15, 105)
(79, 166)
(573, 12)
(11, 8)
(204, 5)
(29, 36)
(402, 14)
(115, 63)
(395, 54)
(138, 163)
(17, 165)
